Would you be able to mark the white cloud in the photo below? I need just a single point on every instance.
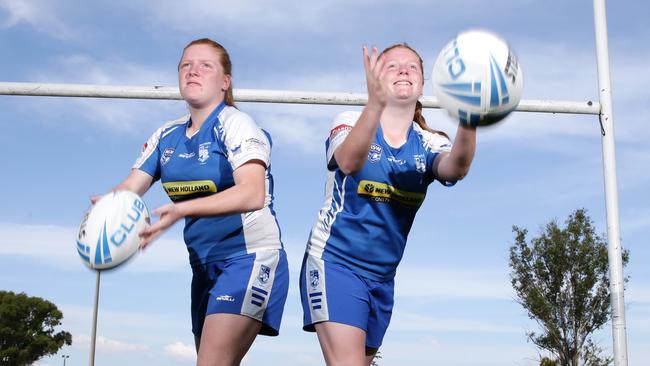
(55, 246)
(411, 322)
(40, 14)
(443, 284)
(86, 69)
(297, 131)
(457, 352)
(202, 15)
(118, 115)
(635, 220)
(111, 345)
(181, 351)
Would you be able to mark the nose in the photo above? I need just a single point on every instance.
(193, 70)
(403, 70)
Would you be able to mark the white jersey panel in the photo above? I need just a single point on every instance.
(339, 130)
(243, 138)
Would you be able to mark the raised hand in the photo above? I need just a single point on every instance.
(374, 66)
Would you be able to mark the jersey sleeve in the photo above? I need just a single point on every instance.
(245, 141)
(149, 159)
(150, 156)
(435, 144)
(339, 130)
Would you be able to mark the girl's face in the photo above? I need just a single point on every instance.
(201, 78)
(403, 76)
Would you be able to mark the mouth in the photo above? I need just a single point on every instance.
(189, 83)
(403, 82)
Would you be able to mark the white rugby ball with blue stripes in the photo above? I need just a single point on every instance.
(477, 78)
(108, 234)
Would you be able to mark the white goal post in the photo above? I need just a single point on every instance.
(601, 108)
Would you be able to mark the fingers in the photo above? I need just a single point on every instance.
(379, 69)
(370, 59)
(151, 233)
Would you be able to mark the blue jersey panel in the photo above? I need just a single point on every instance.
(367, 215)
(203, 164)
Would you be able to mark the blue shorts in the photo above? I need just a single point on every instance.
(332, 292)
(254, 285)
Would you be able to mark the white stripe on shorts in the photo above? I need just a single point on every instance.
(260, 283)
(316, 289)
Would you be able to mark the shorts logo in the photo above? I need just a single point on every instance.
(204, 152)
(167, 154)
(225, 298)
(420, 166)
(375, 153)
(314, 278)
(265, 273)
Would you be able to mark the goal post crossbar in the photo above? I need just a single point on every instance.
(261, 96)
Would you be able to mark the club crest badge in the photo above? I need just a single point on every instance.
(264, 275)
(167, 154)
(204, 152)
(314, 278)
(374, 154)
(420, 164)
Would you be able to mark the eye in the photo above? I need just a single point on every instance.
(183, 65)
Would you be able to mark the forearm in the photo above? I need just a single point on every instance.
(457, 162)
(236, 199)
(137, 181)
(353, 152)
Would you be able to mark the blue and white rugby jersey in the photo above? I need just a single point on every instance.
(367, 215)
(201, 165)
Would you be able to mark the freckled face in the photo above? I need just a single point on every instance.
(201, 78)
(403, 75)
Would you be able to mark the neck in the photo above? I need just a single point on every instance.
(200, 114)
(395, 123)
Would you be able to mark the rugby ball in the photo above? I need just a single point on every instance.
(108, 234)
(477, 78)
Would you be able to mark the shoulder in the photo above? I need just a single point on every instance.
(347, 118)
(235, 126)
(172, 125)
(230, 115)
(431, 140)
(343, 122)
(169, 127)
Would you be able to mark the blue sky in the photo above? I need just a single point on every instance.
(454, 304)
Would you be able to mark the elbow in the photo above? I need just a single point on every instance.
(462, 172)
(351, 167)
(256, 201)
(457, 174)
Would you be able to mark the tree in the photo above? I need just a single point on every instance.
(561, 279)
(27, 329)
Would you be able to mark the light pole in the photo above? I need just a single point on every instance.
(65, 357)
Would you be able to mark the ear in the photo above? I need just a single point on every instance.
(226, 82)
